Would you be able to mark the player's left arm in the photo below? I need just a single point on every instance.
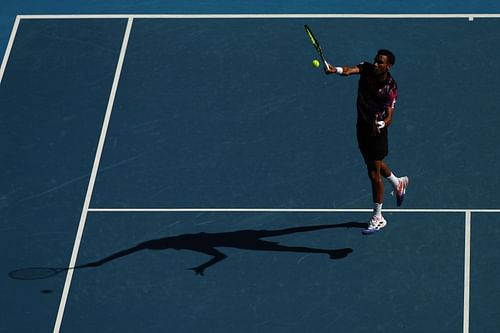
(389, 110)
(382, 123)
(388, 116)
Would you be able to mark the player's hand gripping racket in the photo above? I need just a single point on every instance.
(316, 46)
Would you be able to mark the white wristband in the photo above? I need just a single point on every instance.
(339, 70)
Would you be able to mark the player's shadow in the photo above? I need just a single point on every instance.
(208, 243)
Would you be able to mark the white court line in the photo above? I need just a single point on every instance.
(286, 210)
(9, 48)
(263, 16)
(93, 176)
(467, 271)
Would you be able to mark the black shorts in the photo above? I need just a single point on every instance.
(372, 147)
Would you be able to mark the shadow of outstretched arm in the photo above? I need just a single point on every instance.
(114, 256)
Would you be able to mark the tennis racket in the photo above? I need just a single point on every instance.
(316, 45)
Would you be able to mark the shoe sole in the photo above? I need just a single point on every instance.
(370, 231)
(373, 231)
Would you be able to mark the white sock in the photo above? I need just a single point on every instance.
(377, 209)
(393, 180)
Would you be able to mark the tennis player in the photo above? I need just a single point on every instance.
(377, 93)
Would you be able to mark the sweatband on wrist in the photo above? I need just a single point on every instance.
(339, 70)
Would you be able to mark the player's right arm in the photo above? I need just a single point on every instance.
(344, 71)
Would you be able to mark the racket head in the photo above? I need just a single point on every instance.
(313, 39)
(35, 273)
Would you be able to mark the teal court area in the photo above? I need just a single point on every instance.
(159, 148)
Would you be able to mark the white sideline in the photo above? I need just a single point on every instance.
(9, 48)
(470, 17)
(93, 176)
(467, 271)
(289, 210)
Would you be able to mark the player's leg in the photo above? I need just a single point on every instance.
(399, 184)
(373, 149)
(378, 151)
(375, 173)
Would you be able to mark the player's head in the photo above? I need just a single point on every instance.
(391, 58)
(383, 62)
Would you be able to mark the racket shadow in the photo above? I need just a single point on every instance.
(206, 243)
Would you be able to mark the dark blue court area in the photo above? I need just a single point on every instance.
(226, 119)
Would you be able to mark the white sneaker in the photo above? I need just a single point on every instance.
(376, 223)
(401, 190)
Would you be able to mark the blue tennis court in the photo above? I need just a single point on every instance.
(211, 175)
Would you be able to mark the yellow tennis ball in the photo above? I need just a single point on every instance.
(315, 63)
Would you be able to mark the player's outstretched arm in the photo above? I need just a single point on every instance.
(344, 71)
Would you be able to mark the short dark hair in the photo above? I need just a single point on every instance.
(390, 56)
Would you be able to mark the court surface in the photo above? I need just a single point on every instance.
(211, 176)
